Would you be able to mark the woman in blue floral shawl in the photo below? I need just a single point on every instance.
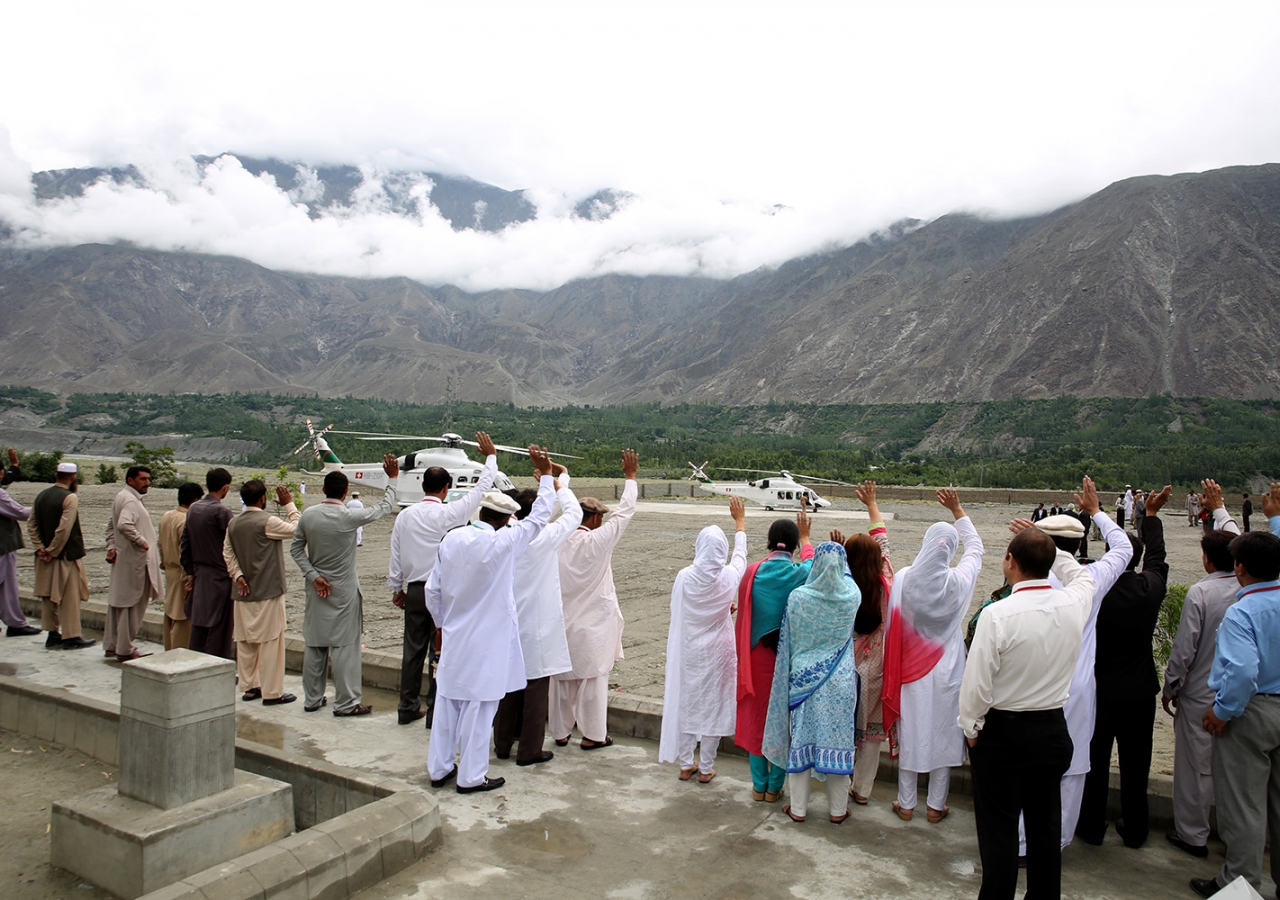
(812, 720)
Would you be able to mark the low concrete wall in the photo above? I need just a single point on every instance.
(352, 831)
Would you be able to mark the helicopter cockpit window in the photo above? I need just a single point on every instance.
(764, 483)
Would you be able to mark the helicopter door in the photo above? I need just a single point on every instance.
(764, 483)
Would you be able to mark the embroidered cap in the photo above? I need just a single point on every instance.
(67, 469)
(499, 503)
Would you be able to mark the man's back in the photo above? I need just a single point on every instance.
(1124, 664)
(206, 530)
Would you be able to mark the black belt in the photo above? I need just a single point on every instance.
(1028, 714)
(417, 584)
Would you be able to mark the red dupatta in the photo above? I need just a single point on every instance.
(908, 657)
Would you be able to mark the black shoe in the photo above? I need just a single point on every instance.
(21, 631)
(1205, 887)
(489, 784)
(411, 717)
(546, 756)
(1199, 852)
(1022, 862)
(276, 701)
(441, 782)
(79, 643)
(324, 701)
(1092, 840)
(53, 641)
(506, 755)
(431, 713)
(1131, 840)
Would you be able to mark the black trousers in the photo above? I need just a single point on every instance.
(1128, 725)
(419, 636)
(215, 640)
(1017, 766)
(522, 716)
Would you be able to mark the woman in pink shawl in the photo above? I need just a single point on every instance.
(924, 658)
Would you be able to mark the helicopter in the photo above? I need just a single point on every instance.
(779, 491)
(450, 455)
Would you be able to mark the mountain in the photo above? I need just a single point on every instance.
(1154, 284)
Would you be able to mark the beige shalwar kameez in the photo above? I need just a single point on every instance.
(61, 584)
(259, 624)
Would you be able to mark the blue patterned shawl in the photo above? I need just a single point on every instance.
(812, 719)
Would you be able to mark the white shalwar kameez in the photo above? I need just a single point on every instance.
(537, 592)
(700, 702)
(593, 625)
(469, 595)
(929, 740)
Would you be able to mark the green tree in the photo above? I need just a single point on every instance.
(164, 472)
(107, 474)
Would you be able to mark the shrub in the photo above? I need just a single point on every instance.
(1167, 622)
(37, 466)
(164, 473)
(107, 474)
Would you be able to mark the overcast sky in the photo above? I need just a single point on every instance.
(711, 113)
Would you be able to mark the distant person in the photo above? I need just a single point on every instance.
(415, 541)
(1127, 682)
(1120, 510)
(1055, 510)
(324, 547)
(1246, 510)
(11, 513)
(1010, 712)
(1192, 506)
(592, 617)
(470, 594)
(762, 598)
(1039, 513)
(1139, 511)
(211, 609)
(1128, 502)
(815, 686)
(522, 714)
(1215, 508)
(177, 584)
(1186, 695)
(254, 554)
(354, 503)
(61, 585)
(924, 658)
(700, 699)
(135, 565)
(1245, 717)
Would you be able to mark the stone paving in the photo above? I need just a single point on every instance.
(615, 823)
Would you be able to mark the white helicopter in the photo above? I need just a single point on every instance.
(451, 456)
(780, 490)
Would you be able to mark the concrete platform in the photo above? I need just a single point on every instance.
(615, 823)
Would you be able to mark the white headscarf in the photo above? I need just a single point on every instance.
(931, 591)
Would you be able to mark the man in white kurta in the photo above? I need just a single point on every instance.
(700, 702)
(592, 618)
(522, 714)
(469, 594)
(356, 503)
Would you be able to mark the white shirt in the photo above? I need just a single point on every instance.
(1022, 658)
(416, 536)
(537, 590)
(469, 595)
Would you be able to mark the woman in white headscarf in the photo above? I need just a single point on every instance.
(700, 702)
(924, 658)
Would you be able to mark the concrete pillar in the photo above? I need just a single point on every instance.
(177, 728)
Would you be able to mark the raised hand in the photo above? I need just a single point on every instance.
(738, 510)
(951, 500)
(1087, 499)
(391, 466)
(541, 461)
(804, 524)
(1156, 502)
(1019, 525)
(630, 464)
(13, 458)
(1211, 495)
(486, 444)
(836, 536)
(557, 470)
(283, 497)
(1271, 501)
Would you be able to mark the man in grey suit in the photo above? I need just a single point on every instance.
(324, 547)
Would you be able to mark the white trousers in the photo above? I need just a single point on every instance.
(939, 788)
(1072, 788)
(707, 759)
(837, 793)
(461, 728)
(581, 700)
(865, 765)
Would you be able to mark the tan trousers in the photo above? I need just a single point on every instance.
(177, 633)
(56, 616)
(866, 763)
(581, 700)
(123, 623)
(261, 666)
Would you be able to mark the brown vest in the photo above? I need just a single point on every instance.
(48, 512)
(261, 558)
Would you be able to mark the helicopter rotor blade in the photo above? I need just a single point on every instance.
(305, 445)
(760, 471)
(816, 478)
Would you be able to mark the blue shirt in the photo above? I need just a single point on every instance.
(1274, 522)
(1247, 657)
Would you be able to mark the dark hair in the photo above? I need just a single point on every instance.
(1136, 543)
(335, 485)
(217, 479)
(189, 492)
(493, 517)
(252, 491)
(134, 471)
(435, 480)
(784, 534)
(1217, 547)
(1033, 551)
(865, 563)
(525, 498)
(1259, 553)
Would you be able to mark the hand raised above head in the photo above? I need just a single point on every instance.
(949, 498)
(1087, 499)
(541, 461)
(738, 510)
(1019, 525)
(557, 470)
(836, 536)
(1156, 501)
(1271, 501)
(283, 497)
(630, 464)
(866, 492)
(391, 466)
(1211, 497)
(486, 444)
(13, 458)
(805, 524)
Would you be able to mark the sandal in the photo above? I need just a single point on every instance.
(686, 774)
(794, 818)
(935, 816)
(903, 814)
(757, 796)
(563, 742)
(772, 796)
(596, 745)
(252, 694)
(706, 779)
(836, 820)
(858, 798)
(363, 710)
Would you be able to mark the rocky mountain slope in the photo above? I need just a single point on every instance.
(1153, 284)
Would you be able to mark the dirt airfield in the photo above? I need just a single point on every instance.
(658, 543)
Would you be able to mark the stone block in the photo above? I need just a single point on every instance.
(324, 862)
(131, 848)
(423, 813)
(398, 850)
(278, 871)
(227, 882)
(330, 800)
(64, 725)
(28, 709)
(86, 739)
(106, 747)
(304, 800)
(357, 835)
(46, 718)
(8, 709)
(177, 685)
(177, 891)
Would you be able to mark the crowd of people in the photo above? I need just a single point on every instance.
(812, 659)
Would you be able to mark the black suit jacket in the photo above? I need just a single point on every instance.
(1124, 665)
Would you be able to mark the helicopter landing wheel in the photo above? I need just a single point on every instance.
(769, 509)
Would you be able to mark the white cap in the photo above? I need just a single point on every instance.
(499, 503)
(1061, 526)
(67, 469)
